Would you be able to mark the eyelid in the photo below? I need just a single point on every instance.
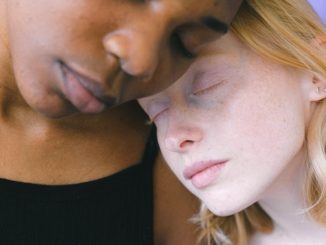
(155, 109)
(194, 36)
(179, 44)
(202, 87)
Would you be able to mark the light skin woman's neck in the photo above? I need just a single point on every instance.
(285, 204)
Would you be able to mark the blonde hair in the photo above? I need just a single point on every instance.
(290, 33)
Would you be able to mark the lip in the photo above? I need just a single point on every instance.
(203, 173)
(86, 94)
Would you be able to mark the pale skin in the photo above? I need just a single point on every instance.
(76, 147)
(251, 115)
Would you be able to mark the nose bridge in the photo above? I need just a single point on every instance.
(182, 133)
(143, 38)
(172, 11)
(140, 42)
(146, 45)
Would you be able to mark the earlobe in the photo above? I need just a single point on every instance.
(318, 91)
(318, 82)
(319, 42)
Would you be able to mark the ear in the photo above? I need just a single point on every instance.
(317, 83)
(319, 43)
(318, 88)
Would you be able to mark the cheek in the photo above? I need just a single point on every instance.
(263, 133)
(270, 128)
(273, 122)
(174, 162)
(264, 111)
(261, 147)
(173, 159)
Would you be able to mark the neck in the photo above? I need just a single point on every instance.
(285, 204)
(76, 149)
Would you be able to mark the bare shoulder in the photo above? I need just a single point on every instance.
(174, 206)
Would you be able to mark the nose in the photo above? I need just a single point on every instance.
(182, 138)
(137, 49)
(149, 47)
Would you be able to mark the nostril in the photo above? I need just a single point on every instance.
(183, 138)
(131, 56)
(116, 45)
(185, 144)
(137, 70)
(177, 145)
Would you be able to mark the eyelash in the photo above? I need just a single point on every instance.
(207, 89)
(176, 40)
(151, 120)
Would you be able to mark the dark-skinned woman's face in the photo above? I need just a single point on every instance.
(85, 55)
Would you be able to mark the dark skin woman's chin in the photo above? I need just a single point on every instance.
(54, 110)
(58, 114)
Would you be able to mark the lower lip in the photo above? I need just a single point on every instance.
(78, 95)
(207, 176)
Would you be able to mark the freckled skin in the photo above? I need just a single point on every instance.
(234, 104)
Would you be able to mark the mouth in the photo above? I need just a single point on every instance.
(86, 94)
(203, 173)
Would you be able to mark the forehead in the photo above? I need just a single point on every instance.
(225, 9)
(124, 9)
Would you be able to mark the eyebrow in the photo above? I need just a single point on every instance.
(215, 24)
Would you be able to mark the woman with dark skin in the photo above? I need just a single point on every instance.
(61, 60)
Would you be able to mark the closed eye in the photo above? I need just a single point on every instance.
(157, 115)
(204, 90)
(155, 109)
(176, 39)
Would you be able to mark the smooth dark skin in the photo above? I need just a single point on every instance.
(129, 47)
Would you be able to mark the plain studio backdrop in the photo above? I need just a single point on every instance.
(320, 8)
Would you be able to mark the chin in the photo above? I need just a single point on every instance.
(226, 208)
(223, 212)
(56, 110)
(57, 114)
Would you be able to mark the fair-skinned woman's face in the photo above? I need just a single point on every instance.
(77, 55)
(232, 125)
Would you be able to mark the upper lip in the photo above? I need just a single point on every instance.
(200, 166)
(94, 86)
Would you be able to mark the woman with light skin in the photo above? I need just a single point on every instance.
(68, 177)
(244, 128)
